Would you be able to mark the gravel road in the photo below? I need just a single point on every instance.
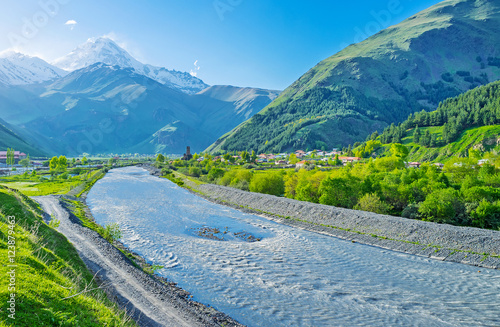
(149, 302)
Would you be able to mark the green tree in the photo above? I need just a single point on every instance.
(416, 135)
(487, 215)
(215, 173)
(84, 161)
(25, 162)
(160, 158)
(339, 192)
(194, 171)
(53, 163)
(293, 159)
(62, 164)
(245, 156)
(254, 156)
(372, 203)
(441, 206)
(268, 183)
(10, 157)
(399, 150)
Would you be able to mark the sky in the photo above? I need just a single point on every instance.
(258, 43)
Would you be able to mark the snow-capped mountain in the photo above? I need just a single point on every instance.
(20, 69)
(105, 50)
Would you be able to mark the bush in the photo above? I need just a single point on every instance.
(112, 232)
(411, 211)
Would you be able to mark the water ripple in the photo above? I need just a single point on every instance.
(291, 277)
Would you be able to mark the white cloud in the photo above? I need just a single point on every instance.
(71, 23)
(196, 69)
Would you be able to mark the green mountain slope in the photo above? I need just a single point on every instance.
(9, 139)
(436, 54)
(469, 121)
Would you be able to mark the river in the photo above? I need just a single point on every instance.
(265, 274)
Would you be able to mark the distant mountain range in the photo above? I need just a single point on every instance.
(105, 101)
(19, 69)
(108, 52)
(438, 53)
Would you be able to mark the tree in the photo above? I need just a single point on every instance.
(487, 215)
(254, 156)
(215, 173)
(268, 183)
(25, 162)
(337, 161)
(62, 164)
(293, 159)
(53, 163)
(399, 150)
(441, 206)
(339, 192)
(194, 171)
(245, 156)
(160, 158)
(426, 139)
(416, 135)
(84, 161)
(10, 157)
(349, 151)
(372, 203)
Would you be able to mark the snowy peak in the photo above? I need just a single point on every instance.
(97, 50)
(20, 69)
(105, 50)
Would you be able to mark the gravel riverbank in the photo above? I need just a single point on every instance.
(473, 246)
(467, 245)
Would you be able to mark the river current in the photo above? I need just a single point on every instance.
(265, 274)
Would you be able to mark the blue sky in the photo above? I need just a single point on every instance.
(259, 43)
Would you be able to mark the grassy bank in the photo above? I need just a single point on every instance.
(53, 287)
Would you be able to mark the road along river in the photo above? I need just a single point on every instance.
(265, 274)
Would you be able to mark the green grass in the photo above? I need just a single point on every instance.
(43, 188)
(49, 271)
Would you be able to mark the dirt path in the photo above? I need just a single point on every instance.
(149, 302)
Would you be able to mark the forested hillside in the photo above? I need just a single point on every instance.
(468, 121)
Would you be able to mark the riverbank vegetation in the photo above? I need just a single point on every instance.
(460, 193)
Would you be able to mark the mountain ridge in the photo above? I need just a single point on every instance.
(104, 50)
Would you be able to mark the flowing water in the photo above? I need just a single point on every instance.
(265, 274)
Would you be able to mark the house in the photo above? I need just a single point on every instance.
(262, 156)
(439, 165)
(414, 165)
(18, 155)
(482, 162)
(346, 160)
(280, 162)
(301, 164)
